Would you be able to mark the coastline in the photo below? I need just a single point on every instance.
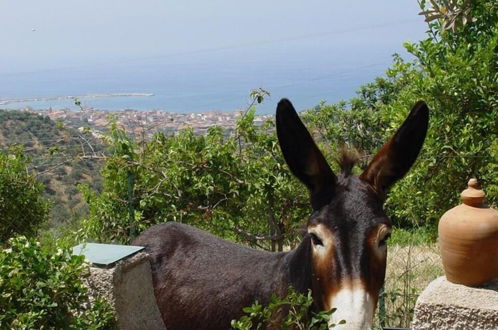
(72, 97)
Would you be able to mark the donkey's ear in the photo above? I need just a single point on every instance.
(397, 156)
(302, 155)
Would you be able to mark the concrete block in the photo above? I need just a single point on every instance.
(445, 305)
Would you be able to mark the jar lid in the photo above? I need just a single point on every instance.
(472, 195)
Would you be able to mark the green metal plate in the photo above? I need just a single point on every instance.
(105, 255)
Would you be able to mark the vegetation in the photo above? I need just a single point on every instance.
(56, 160)
(41, 287)
(22, 208)
(236, 186)
(290, 312)
(44, 289)
(410, 268)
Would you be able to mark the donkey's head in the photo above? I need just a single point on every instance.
(348, 229)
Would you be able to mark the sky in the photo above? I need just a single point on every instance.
(37, 35)
(53, 36)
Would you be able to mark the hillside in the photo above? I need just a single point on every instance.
(56, 152)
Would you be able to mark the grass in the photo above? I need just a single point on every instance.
(418, 236)
(413, 262)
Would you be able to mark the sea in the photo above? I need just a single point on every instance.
(205, 80)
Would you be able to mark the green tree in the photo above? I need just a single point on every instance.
(233, 184)
(22, 209)
(455, 70)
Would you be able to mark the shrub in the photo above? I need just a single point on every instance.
(22, 208)
(290, 312)
(234, 185)
(44, 288)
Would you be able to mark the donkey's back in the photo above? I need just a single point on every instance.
(202, 280)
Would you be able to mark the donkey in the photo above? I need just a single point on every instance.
(203, 282)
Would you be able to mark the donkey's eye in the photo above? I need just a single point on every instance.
(383, 241)
(315, 239)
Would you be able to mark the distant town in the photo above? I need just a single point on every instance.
(145, 123)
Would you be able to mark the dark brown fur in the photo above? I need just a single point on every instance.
(203, 282)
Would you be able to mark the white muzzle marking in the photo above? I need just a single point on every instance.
(355, 306)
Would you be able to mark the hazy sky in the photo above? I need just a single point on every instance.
(51, 34)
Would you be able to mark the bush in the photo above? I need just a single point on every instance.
(290, 312)
(22, 208)
(44, 288)
(234, 185)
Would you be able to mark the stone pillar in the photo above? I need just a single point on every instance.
(121, 274)
(444, 305)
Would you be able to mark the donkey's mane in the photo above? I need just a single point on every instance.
(347, 159)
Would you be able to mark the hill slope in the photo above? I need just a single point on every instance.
(56, 153)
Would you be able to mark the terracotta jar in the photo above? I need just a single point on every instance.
(468, 239)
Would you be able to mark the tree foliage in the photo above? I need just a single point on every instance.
(22, 208)
(291, 312)
(234, 185)
(456, 72)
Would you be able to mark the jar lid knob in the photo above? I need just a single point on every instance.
(472, 196)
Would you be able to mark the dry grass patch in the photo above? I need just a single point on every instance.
(409, 270)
